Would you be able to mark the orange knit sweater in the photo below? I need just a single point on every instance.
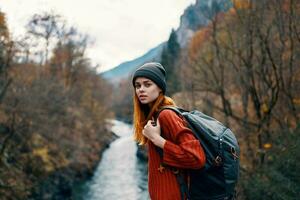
(181, 150)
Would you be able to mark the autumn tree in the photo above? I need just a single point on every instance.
(246, 63)
(5, 81)
(69, 55)
(53, 124)
(5, 56)
(252, 65)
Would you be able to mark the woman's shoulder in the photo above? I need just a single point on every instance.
(166, 112)
(168, 115)
(171, 122)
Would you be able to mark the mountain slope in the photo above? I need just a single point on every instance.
(194, 17)
(124, 69)
(197, 16)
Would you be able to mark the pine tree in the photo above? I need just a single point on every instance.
(169, 58)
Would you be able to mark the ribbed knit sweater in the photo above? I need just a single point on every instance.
(181, 150)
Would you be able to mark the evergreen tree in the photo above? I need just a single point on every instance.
(169, 58)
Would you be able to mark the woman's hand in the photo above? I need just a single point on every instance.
(153, 132)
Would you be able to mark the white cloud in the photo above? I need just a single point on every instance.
(122, 29)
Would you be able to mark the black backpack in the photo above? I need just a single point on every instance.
(218, 178)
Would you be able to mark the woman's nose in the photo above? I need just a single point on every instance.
(141, 88)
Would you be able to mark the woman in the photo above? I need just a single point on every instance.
(180, 149)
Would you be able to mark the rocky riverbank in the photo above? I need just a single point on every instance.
(44, 169)
(59, 184)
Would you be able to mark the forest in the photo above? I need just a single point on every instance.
(242, 68)
(53, 110)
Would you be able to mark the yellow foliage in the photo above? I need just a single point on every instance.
(43, 154)
(264, 108)
(241, 4)
(267, 145)
(41, 149)
(296, 101)
(37, 140)
(50, 162)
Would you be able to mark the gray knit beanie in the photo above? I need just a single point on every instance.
(155, 72)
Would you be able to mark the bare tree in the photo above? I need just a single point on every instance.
(69, 55)
(45, 26)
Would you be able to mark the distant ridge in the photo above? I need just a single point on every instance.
(123, 70)
(194, 17)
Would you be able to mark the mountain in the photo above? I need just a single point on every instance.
(194, 17)
(123, 70)
(197, 16)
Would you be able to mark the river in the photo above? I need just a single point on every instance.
(119, 174)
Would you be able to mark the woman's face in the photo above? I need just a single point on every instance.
(146, 90)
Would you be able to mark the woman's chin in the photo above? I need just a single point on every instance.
(144, 102)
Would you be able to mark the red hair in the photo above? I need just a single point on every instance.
(142, 113)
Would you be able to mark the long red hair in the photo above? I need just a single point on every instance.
(142, 113)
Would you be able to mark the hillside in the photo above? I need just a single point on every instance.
(194, 17)
(124, 69)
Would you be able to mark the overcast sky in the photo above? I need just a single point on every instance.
(122, 29)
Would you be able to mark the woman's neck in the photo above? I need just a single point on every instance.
(150, 105)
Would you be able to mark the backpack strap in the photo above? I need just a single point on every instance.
(178, 174)
(178, 111)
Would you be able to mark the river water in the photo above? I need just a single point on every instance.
(119, 174)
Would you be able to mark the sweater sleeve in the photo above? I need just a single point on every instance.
(181, 149)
